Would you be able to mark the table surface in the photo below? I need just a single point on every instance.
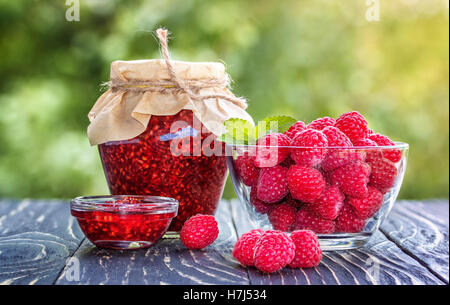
(40, 243)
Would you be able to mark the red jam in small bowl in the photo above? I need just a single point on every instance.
(124, 222)
(145, 165)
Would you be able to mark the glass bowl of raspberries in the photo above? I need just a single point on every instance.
(337, 178)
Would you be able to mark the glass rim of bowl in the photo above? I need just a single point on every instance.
(111, 204)
(398, 145)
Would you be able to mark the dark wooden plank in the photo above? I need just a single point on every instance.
(421, 230)
(379, 262)
(36, 238)
(168, 262)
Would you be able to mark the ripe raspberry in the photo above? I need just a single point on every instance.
(367, 207)
(273, 251)
(293, 202)
(282, 217)
(309, 156)
(244, 248)
(336, 137)
(371, 153)
(259, 205)
(268, 154)
(321, 123)
(383, 175)
(329, 203)
(348, 221)
(308, 220)
(199, 231)
(272, 184)
(393, 155)
(246, 169)
(307, 249)
(365, 142)
(352, 178)
(295, 129)
(353, 125)
(305, 183)
(336, 158)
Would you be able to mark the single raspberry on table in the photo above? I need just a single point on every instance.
(383, 174)
(295, 129)
(307, 249)
(268, 153)
(259, 205)
(273, 251)
(309, 156)
(368, 206)
(199, 231)
(336, 137)
(305, 183)
(348, 221)
(244, 248)
(329, 204)
(393, 155)
(321, 123)
(309, 220)
(272, 184)
(282, 217)
(353, 124)
(246, 169)
(352, 178)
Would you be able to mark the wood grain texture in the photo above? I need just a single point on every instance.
(168, 262)
(421, 230)
(381, 261)
(36, 238)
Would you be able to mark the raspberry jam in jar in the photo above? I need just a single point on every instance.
(146, 165)
(124, 222)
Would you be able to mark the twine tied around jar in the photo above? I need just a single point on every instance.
(176, 84)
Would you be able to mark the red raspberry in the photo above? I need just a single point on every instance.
(321, 123)
(273, 251)
(348, 221)
(352, 178)
(199, 231)
(268, 154)
(246, 169)
(295, 129)
(383, 175)
(367, 207)
(309, 156)
(336, 137)
(259, 205)
(393, 155)
(365, 142)
(329, 203)
(282, 217)
(293, 202)
(305, 183)
(244, 248)
(272, 184)
(307, 249)
(353, 124)
(336, 158)
(308, 220)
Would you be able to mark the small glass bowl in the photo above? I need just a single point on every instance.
(384, 182)
(124, 221)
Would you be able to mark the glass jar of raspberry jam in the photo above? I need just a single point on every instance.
(145, 165)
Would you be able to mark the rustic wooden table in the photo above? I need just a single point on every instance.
(40, 243)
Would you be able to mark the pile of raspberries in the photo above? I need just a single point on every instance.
(330, 186)
(269, 251)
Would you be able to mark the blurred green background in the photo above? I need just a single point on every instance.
(306, 58)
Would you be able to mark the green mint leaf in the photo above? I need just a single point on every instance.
(239, 131)
(276, 123)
